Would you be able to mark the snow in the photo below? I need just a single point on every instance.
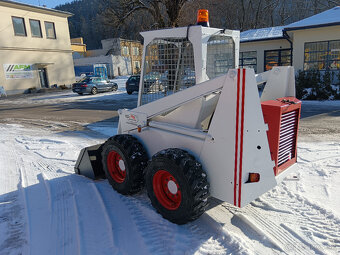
(328, 17)
(46, 209)
(262, 33)
(68, 96)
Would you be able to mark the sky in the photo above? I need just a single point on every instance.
(48, 3)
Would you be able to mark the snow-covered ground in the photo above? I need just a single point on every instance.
(68, 96)
(46, 209)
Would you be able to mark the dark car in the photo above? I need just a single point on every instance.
(93, 85)
(153, 82)
(132, 84)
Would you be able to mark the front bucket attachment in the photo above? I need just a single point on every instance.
(89, 162)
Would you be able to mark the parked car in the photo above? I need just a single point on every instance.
(153, 82)
(93, 85)
(188, 79)
(132, 84)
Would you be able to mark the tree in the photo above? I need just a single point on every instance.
(159, 13)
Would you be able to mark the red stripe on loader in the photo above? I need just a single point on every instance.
(236, 133)
(241, 142)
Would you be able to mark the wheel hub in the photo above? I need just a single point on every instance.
(167, 190)
(172, 187)
(121, 165)
(116, 166)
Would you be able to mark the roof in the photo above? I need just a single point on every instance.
(35, 8)
(261, 34)
(327, 18)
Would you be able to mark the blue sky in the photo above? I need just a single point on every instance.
(48, 3)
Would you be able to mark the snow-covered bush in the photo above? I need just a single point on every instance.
(318, 85)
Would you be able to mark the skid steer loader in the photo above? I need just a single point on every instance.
(202, 128)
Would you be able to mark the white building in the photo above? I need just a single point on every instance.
(311, 43)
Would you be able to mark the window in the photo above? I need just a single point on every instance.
(135, 51)
(35, 28)
(19, 26)
(322, 55)
(249, 59)
(126, 51)
(50, 30)
(277, 58)
(220, 55)
(137, 65)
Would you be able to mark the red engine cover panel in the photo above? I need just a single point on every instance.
(282, 116)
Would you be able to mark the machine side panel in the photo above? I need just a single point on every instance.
(256, 152)
(238, 144)
(155, 140)
(280, 83)
(217, 155)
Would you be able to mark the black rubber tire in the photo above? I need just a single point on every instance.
(192, 182)
(135, 159)
(94, 91)
(114, 88)
(129, 92)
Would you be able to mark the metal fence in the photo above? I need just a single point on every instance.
(169, 67)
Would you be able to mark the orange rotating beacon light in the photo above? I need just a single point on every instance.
(203, 18)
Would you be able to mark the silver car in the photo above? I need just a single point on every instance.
(93, 85)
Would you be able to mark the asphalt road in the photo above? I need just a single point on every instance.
(320, 121)
(64, 107)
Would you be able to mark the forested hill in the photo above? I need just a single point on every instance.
(86, 21)
(95, 20)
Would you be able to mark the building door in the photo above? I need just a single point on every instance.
(43, 77)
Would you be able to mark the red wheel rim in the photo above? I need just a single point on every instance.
(167, 190)
(116, 166)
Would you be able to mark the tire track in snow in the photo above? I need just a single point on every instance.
(65, 238)
(315, 224)
(52, 197)
(122, 222)
(65, 208)
(37, 209)
(105, 214)
(21, 188)
(278, 234)
(83, 235)
(195, 237)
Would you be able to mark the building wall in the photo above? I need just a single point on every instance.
(96, 53)
(112, 45)
(53, 54)
(118, 65)
(78, 47)
(300, 37)
(9, 40)
(261, 46)
(59, 68)
(134, 57)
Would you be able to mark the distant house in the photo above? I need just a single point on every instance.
(311, 43)
(126, 48)
(78, 47)
(121, 56)
(35, 48)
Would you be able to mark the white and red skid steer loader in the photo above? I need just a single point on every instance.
(201, 128)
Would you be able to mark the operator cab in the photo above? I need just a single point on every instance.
(177, 58)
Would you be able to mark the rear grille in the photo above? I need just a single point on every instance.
(288, 132)
(282, 116)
